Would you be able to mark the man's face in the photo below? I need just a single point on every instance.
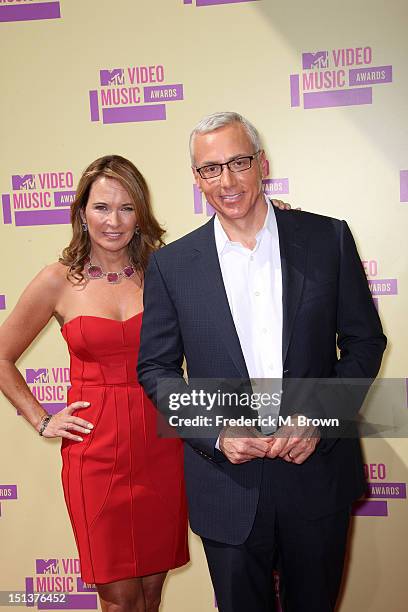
(232, 194)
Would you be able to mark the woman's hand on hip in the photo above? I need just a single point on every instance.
(63, 423)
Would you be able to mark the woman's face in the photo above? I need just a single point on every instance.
(110, 215)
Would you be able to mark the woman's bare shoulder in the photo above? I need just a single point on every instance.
(53, 276)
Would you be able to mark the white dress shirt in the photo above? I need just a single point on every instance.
(253, 283)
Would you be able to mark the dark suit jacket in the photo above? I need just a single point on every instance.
(326, 304)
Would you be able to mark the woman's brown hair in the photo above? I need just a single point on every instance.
(141, 245)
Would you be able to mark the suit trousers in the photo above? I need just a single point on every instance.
(309, 555)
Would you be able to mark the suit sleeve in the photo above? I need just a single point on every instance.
(360, 342)
(161, 346)
(161, 356)
(360, 339)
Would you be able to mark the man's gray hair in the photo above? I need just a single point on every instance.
(219, 120)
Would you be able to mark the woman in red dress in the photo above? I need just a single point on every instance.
(123, 485)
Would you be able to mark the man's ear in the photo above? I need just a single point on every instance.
(197, 178)
(264, 164)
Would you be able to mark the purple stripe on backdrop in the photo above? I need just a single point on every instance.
(383, 286)
(209, 209)
(81, 588)
(214, 2)
(130, 114)
(198, 200)
(30, 12)
(5, 201)
(2, 302)
(276, 186)
(340, 97)
(294, 90)
(370, 508)
(29, 589)
(94, 105)
(362, 76)
(13, 492)
(63, 198)
(404, 186)
(42, 217)
(53, 408)
(188, 1)
(149, 93)
(72, 602)
(387, 490)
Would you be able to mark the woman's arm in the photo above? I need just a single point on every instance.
(34, 309)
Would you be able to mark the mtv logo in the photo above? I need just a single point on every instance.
(112, 77)
(26, 181)
(320, 59)
(46, 566)
(39, 376)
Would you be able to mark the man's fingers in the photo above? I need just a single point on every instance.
(277, 447)
(239, 450)
(252, 447)
(298, 454)
(294, 443)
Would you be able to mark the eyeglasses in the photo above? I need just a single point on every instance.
(235, 165)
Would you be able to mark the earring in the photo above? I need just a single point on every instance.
(137, 231)
(84, 226)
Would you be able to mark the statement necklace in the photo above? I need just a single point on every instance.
(93, 271)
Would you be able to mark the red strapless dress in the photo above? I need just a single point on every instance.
(123, 484)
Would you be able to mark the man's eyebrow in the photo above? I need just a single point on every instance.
(215, 163)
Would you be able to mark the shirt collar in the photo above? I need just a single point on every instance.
(221, 238)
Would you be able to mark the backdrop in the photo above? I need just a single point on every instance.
(326, 84)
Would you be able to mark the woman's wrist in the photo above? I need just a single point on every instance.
(43, 422)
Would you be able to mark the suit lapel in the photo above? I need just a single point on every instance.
(293, 260)
(210, 279)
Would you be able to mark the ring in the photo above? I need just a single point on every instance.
(290, 456)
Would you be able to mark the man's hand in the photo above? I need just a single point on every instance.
(239, 445)
(294, 444)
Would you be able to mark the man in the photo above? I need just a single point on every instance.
(261, 293)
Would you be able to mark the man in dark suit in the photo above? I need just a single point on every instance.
(258, 293)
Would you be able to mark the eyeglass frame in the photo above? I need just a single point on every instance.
(250, 157)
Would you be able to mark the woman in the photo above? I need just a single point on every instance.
(123, 485)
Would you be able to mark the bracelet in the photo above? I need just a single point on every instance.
(44, 422)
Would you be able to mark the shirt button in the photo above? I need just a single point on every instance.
(257, 293)
(251, 258)
(264, 330)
